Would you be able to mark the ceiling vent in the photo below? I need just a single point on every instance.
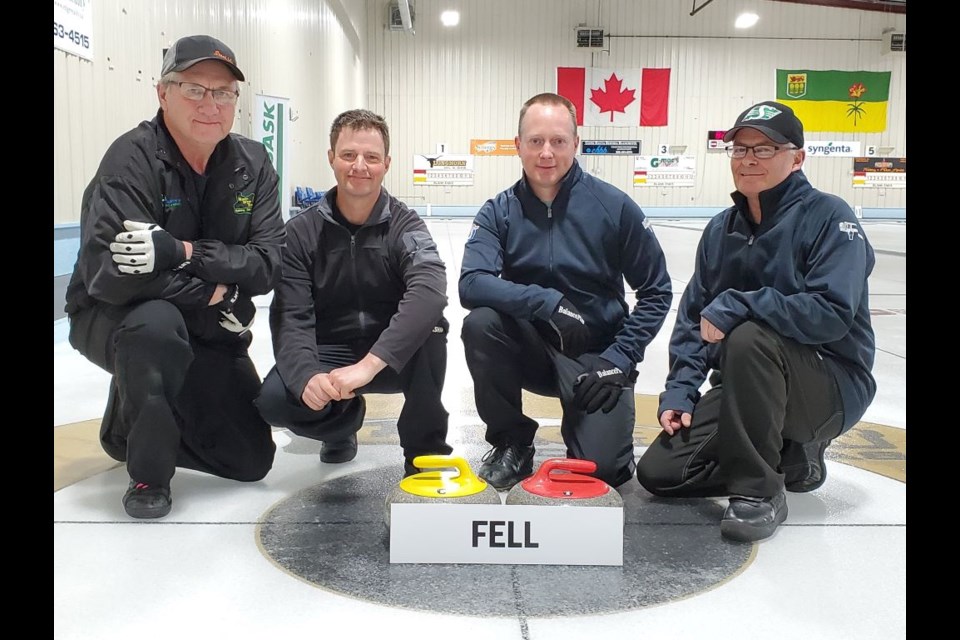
(589, 38)
(893, 42)
(400, 18)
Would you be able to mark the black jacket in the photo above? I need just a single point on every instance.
(384, 285)
(236, 228)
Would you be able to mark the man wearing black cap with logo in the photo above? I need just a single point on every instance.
(778, 309)
(180, 227)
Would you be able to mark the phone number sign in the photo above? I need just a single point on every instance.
(880, 173)
(665, 171)
(73, 27)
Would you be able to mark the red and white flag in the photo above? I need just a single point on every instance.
(616, 97)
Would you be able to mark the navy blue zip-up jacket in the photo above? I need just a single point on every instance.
(802, 271)
(523, 257)
(384, 285)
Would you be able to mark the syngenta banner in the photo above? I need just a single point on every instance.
(840, 148)
(270, 126)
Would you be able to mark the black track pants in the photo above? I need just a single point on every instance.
(772, 388)
(173, 402)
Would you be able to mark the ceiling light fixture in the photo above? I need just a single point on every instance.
(746, 20)
(450, 18)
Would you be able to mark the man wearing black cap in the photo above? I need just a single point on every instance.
(778, 309)
(180, 227)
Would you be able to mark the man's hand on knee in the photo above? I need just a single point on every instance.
(709, 332)
(599, 386)
(319, 391)
(672, 421)
(348, 379)
(566, 331)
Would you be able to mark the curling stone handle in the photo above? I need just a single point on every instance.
(575, 484)
(464, 472)
(567, 464)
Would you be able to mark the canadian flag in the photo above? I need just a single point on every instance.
(616, 97)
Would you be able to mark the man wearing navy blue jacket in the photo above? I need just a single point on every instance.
(778, 310)
(543, 273)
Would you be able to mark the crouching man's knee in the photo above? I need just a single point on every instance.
(653, 481)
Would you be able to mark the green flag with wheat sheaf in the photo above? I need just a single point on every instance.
(853, 101)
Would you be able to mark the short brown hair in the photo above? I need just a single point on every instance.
(358, 119)
(551, 99)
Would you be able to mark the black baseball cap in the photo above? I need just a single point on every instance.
(773, 119)
(190, 50)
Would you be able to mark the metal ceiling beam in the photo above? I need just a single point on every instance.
(405, 15)
(696, 8)
(885, 6)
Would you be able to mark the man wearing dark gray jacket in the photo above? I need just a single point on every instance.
(359, 308)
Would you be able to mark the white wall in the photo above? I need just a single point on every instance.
(310, 51)
(451, 85)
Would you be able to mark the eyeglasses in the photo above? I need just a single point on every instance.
(196, 92)
(760, 151)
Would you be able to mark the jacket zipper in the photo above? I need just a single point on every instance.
(550, 233)
(356, 284)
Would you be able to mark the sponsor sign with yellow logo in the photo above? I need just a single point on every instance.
(443, 169)
(880, 173)
(487, 147)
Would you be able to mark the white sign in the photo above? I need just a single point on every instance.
(271, 123)
(842, 149)
(665, 171)
(881, 180)
(881, 173)
(73, 27)
(443, 169)
(506, 534)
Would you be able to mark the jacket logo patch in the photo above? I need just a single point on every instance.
(473, 231)
(244, 204)
(169, 204)
(850, 229)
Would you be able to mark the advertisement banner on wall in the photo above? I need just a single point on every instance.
(841, 148)
(73, 27)
(665, 171)
(488, 147)
(443, 169)
(610, 147)
(715, 140)
(271, 127)
(880, 173)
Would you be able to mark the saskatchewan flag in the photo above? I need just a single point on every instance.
(836, 100)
